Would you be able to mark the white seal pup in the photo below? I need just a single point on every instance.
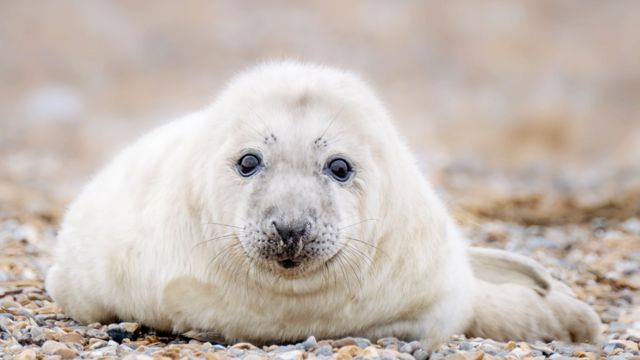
(291, 207)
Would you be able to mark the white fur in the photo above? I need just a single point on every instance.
(132, 245)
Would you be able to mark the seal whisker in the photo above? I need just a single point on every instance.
(222, 224)
(368, 244)
(348, 259)
(333, 119)
(226, 236)
(358, 223)
(359, 252)
(225, 251)
(345, 276)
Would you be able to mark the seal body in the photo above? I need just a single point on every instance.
(290, 207)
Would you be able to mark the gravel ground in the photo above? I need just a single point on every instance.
(599, 259)
(525, 113)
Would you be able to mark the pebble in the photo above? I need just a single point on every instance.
(27, 354)
(290, 355)
(344, 342)
(55, 348)
(99, 334)
(611, 346)
(421, 355)
(349, 350)
(325, 350)
(310, 343)
(362, 342)
(130, 327)
(73, 337)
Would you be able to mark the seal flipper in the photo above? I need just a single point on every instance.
(502, 267)
(516, 299)
(187, 301)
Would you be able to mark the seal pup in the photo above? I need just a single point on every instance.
(291, 207)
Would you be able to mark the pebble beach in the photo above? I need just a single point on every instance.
(524, 115)
(599, 260)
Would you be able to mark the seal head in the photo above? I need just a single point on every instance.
(298, 169)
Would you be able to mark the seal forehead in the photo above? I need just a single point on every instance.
(273, 88)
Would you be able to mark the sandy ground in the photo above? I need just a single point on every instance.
(525, 115)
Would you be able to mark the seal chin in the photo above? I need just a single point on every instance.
(292, 267)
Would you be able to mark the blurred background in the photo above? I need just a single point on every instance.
(524, 114)
(526, 111)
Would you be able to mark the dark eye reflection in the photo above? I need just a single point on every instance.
(339, 169)
(249, 164)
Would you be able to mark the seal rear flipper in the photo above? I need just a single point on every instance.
(516, 299)
(502, 267)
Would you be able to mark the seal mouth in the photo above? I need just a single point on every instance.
(288, 263)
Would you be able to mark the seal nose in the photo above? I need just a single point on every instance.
(291, 233)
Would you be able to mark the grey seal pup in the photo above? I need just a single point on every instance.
(291, 207)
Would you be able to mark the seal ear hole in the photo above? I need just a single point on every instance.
(249, 164)
(338, 169)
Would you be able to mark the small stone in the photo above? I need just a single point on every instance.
(388, 343)
(309, 343)
(387, 354)
(253, 357)
(96, 343)
(404, 356)
(7, 316)
(362, 342)
(325, 350)
(244, 346)
(73, 337)
(123, 350)
(55, 348)
(27, 354)
(14, 348)
(290, 355)
(95, 333)
(465, 346)
(630, 345)
(344, 342)
(613, 345)
(9, 304)
(350, 350)
(490, 349)
(420, 354)
(137, 357)
(546, 350)
(406, 348)
(370, 351)
(37, 334)
(118, 333)
(520, 353)
(584, 355)
(236, 352)
(415, 345)
(130, 327)
(617, 358)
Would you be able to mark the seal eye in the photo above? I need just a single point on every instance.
(339, 169)
(249, 164)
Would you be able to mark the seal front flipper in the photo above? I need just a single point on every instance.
(186, 299)
(516, 299)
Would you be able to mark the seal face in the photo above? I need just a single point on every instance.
(299, 189)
